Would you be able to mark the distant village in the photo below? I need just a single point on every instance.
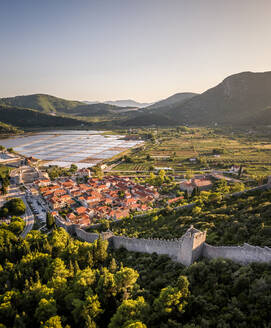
(109, 198)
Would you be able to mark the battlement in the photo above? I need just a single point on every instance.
(240, 254)
(186, 250)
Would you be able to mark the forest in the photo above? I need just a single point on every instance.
(57, 281)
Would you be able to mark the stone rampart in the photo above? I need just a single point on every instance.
(185, 250)
(172, 248)
(90, 236)
(240, 254)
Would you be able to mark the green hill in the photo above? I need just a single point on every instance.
(29, 118)
(50, 104)
(42, 103)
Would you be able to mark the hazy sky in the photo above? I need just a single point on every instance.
(118, 49)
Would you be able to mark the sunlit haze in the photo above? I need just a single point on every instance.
(124, 49)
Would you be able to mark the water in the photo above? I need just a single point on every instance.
(63, 148)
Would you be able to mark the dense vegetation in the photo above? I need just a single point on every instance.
(55, 172)
(28, 118)
(55, 281)
(14, 206)
(7, 129)
(4, 178)
(228, 221)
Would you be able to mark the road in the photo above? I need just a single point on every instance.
(28, 217)
(15, 192)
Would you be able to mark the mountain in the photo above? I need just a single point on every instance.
(165, 104)
(127, 103)
(42, 102)
(156, 114)
(29, 118)
(239, 99)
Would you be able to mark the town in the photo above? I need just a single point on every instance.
(86, 203)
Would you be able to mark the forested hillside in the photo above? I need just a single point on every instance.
(55, 281)
(41, 102)
(28, 118)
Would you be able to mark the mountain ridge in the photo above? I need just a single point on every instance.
(233, 100)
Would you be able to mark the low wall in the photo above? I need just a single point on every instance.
(240, 254)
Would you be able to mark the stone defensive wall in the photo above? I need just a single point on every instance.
(240, 254)
(185, 250)
(90, 237)
(171, 248)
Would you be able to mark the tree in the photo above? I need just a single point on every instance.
(53, 322)
(50, 220)
(57, 269)
(106, 287)
(130, 312)
(100, 250)
(46, 309)
(73, 168)
(125, 279)
(15, 206)
(87, 309)
(97, 171)
(170, 300)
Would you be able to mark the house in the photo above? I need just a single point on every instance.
(80, 210)
(83, 220)
(71, 216)
(201, 184)
(84, 172)
(118, 213)
(174, 200)
(43, 182)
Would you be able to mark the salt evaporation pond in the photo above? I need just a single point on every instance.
(63, 148)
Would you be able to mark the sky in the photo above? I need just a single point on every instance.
(144, 50)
